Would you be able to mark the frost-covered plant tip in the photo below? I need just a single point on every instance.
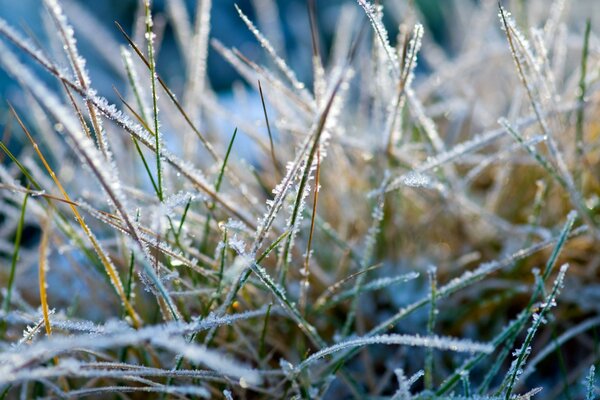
(391, 227)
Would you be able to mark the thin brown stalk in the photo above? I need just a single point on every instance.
(42, 269)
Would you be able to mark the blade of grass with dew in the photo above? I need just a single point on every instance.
(177, 12)
(157, 137)
(13, 264)
(443, 343)
(573, 332)
(430, 326)
(590, 384)
(543, 161)
(538, 319)
(134, 83)
(129, 285)
(78, 66)
(319, 81)
(218, 183)
(308, 329)
(375, 16)
(306, 174)
(304, 286)
(222, 264)
(170, 94)
(579, 137)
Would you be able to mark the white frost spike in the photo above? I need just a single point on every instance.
(375, 15)
(167, 208)
(404, 384)
(414, 47)
(236, 225)
(403, 392)
(376, 284)
(267, 14)
(148, 17)
(31, 331)
(279, 62)
(590, 384)
(416, 180)
(237, 245)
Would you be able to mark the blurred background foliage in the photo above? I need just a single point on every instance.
(226, 26)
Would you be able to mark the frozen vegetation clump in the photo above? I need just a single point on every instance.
(418, 219)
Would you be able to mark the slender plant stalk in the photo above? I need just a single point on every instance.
(157, 144)
(14, 260)
(264, 107)
(42, 270)
(579, 134)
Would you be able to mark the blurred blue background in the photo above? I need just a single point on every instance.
(27, 15)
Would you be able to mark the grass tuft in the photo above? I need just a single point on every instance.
(194, 255)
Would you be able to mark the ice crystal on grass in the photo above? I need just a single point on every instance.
(590, 384)
(375, 15)
(443, 343)
(279, 62)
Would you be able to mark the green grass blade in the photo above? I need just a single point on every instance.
(14, 260)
